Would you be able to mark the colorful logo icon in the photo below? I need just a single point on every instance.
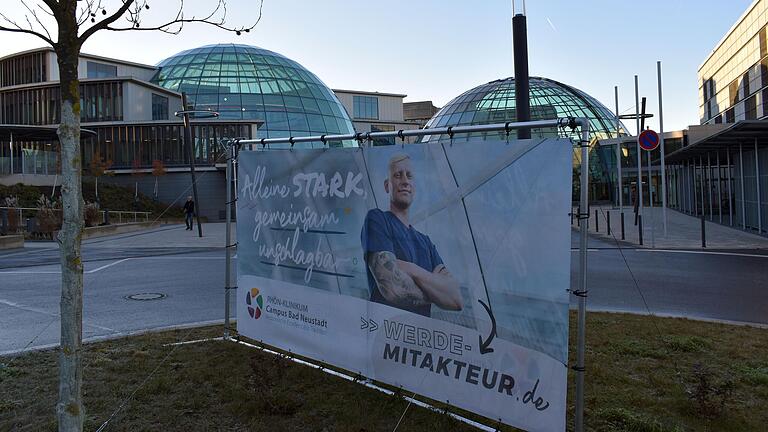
(255, 303)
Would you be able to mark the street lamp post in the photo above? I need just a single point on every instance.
(186, 115)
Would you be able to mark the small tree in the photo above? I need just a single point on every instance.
(158, 170)
(73, 22)
(137, 172)
(98, 167)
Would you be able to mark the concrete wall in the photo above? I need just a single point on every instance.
(123, 70)
(390, 107)
(173, 188)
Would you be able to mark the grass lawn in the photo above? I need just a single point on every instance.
(643, 374)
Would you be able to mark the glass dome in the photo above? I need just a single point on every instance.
(244, 82)
(494, 102)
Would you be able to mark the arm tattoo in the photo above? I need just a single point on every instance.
(394, 284)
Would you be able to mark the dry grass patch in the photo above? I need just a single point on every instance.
(691, 376)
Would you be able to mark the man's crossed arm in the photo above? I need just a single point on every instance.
(403, 283)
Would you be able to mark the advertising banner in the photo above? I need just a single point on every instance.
(443, 269)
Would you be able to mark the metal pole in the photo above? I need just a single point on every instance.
(189, 145)
(520, 54)
(582, 318)
(228, 241)
(692, 195)
(10, 147)
(757, 184)
(719, 189)
(663, 162)
(618, 152)
(743, 198)
(650, 202)
(703, 174)
(639, 158)
(730, 192)
(709, 187)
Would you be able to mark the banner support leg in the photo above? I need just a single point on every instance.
(228, 241)
(582, 293)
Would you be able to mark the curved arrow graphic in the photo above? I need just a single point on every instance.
(485, 344)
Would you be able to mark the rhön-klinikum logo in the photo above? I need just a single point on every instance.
(252, 296)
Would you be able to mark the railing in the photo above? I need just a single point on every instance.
(25, 217)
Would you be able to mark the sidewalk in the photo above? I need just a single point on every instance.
(683, 231)
(171, 235)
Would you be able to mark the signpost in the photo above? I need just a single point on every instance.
(648, 140)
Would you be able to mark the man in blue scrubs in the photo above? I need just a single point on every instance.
(404, 268)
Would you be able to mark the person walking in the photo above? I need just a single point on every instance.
(189, 212)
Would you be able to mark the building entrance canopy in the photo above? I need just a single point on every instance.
(747, 132)
(35, 133)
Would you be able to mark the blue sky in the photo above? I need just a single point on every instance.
(437, 49)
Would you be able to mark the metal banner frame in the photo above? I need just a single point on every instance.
(233, 146)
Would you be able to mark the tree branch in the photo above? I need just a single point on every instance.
(16, 28)
(34, 15)
(103, 24)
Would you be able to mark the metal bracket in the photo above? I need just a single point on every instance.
(579, 293)
(579, 368)
(323, 140)
(580, 215)
(231, 246)
(400, 135)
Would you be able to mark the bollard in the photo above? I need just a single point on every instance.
(608, 220)
(622, 225)
(106, 217)
(640, 228)
(578, 218)
(703, 233)
(597, 225)
(4, 223)
(571, 215)
(29, 225)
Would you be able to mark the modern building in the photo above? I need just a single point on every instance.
(720, 170)
(419, 112)
(130, 108)
(376, 112)
(494, 102)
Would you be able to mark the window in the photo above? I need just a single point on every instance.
(101, 70)
(730, 116)
(159, 107)
(733, 92)
(365, 107)
(383, 128)
(750, 108)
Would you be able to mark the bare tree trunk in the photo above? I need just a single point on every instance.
(70, 411)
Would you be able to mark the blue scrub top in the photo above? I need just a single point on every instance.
(383, 231)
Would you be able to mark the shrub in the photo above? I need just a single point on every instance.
(92, 214)
(13, 215)
(48, 215)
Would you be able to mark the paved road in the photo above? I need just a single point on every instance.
(713, 285)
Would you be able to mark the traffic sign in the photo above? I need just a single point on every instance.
(648, 140)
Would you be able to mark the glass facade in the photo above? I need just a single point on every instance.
(494, 102)
(736, 70)
(24, 69)
(127, 147)
(100, 70)
(99, 102)
(130, 146)
(365, 107)
(159, 107)
(250, 83)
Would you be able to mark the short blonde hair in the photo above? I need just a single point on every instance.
(399, 157)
